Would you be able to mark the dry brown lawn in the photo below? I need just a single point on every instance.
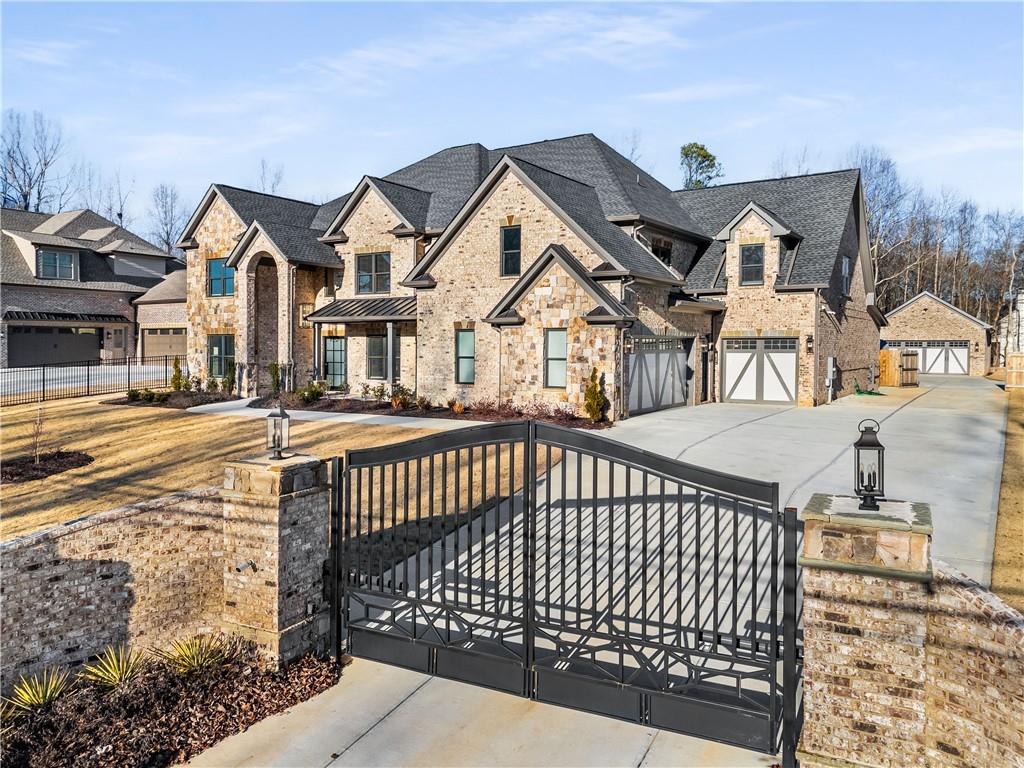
(143, 453)
(1008, 556)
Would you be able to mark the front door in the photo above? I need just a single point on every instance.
(334, 361)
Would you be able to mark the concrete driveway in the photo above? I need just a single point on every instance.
(385, 716)
(944, 446)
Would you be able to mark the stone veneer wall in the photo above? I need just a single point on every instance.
(469, 285)
(928, 319)
(216, 236)
(144, 573)
(907, 662)
(557, 301)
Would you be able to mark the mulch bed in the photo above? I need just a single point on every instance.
(24, 469)
(179, 400)
(162, 718)
(475, 412)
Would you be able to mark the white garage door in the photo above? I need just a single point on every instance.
(659, 373)
(760, 370)
(940, 356)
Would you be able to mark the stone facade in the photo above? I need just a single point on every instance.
(906, 662)
(558, 301)
(927, 318)
(33, 298)
(139, 574)
(469, 285)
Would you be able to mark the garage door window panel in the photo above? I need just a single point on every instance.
(752, 264)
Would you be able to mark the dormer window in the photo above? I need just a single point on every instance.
(662, 250)
(56, 265)
(752, 264)
(511, 250)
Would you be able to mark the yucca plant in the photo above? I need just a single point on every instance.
(39, 690)
(117, 666)
(196, 653)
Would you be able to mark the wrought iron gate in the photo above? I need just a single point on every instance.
(563, 566)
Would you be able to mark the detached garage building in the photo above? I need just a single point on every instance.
(947, 339)
(160, 313)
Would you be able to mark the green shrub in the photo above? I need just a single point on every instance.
(116, 667)
(379, 392)
(148, 395)
(186, 385)
(423, 403)
(177, 377)
(196, 384)
(365, 390)
(134, 395)
(344, 388)
(212, 385)
(594, 401)
(312, 392)
(196, 653)
(229, 379)
(401, 397)
(39, 690)
(275, 377)
(162, 397)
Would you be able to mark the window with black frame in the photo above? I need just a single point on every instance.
(56, 265)
(373, 273)
(465, 356)
(221, 351)
(220, 278)
(377, 358)
(752, 264)
(511, 250)
(555, 355)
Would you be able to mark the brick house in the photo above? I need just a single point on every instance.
(69, 280)
(481, 274)
(947, 339)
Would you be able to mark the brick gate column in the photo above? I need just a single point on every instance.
(276, 520)
(866, 577)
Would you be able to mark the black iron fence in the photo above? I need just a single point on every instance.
(37, 383)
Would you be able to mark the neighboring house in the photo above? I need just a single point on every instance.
(947, 339)
(161, 318)
(480, 274)
(68, 280)
(1009, 330)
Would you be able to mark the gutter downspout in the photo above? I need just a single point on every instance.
(816, 375)
(621, 384)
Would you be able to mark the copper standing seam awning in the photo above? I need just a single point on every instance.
(62, 317)
(377, 310)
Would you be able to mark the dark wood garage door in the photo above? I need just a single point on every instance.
(44, 345)
(157, 342)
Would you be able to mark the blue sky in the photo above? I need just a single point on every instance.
(196, 93)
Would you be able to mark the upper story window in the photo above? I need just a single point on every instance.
(555, 354)
(465, 356)
(373, 273)
(662, 249)
(752, 264)
(847, 273)
(56, 265)
(220, 278)
(511, 250)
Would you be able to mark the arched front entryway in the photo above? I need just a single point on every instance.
(263, 305)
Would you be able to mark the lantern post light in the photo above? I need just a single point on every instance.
(277, 432)
(869, 466)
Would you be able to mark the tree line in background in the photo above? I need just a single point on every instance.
(38, 174)
(944, 244)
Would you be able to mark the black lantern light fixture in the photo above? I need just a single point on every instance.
(869, 465)
(277, 432)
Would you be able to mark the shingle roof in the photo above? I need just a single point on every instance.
(450, 176)
(377, 309)
(816, 206)
(300, 244)
(259, 206)
(325, 213)
(172, 288)
(413, 204)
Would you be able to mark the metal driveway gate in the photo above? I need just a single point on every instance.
(572, 569)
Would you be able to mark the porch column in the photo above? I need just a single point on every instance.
(317, 352)
(391, 355)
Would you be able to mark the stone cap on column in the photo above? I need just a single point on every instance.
(892, 542)
(265, 476)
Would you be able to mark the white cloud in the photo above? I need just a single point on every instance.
(699, 92)
(50, 53)
(966, 143)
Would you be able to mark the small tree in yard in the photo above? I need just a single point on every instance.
(594, 401)
(37, 435)
(275, 377)
(177, 377)
(229, 379)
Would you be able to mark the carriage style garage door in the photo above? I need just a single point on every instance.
(158, 342)
(939, 356)
(760, 370)
(47, 345)
(659, 373)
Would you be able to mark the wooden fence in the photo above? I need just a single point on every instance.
(1015, 370)
(897, 368)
